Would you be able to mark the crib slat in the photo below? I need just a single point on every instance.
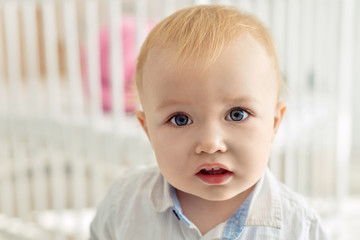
(73, 60)
(346, 60)
(226, 2)
(20, 168)
(141, 16)
(116, 64)
(34, 99)
(169, 8)
(7, 199)
(262, 11)
(73, 139)
(28, 10)
(246, 5)
(54, 131)
(6, 185)
(305, 106)
(92, 36)
(291, 70)
(79, 186)
(51, 58)
(320, 83)
(39, 175)
(93, 151)
(57, 186)
(201, 2)
(15, 90)
(3, 84)
(326, 181)
(12, 47)
(278, 30)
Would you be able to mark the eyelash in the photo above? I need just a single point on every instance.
(247, 112)
(169, 121)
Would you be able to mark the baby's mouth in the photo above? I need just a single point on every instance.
(214, 175)
(213, 171)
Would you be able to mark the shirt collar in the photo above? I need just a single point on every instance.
(159, 194)
(264, 208)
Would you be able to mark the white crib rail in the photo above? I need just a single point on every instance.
(116, 67)
(92, 31)
(55, 154)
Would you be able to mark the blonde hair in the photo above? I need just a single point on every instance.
(202, 32)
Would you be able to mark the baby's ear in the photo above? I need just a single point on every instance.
(278, 116)
(140, 115)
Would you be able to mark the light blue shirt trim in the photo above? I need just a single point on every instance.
(177, 207)
(234, 225)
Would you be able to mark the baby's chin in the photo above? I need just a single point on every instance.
(220, 194)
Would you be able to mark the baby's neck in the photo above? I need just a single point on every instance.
(208, 214)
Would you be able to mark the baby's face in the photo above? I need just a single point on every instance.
(212, 132)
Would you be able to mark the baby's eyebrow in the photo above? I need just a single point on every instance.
(170, 102)
(243, 99)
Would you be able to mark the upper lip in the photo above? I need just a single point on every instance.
(211, 165)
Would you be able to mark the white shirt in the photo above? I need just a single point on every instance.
(141, 205)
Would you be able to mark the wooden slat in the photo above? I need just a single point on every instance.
(141, 18)
(57, 175)
(20, 169)
(169, 8)
(14, 187)
(12, 47)
(3, 82)
(200, 2)
(75, 88)
(328, 162)
(246, 5)
(54, 133)
(34, 147)
(304, 107)
(51, 59)
(28, 11)
(225, 2)
(262, 10)
(117, 78)
(6, 202)
(93, 68)
(278, 29)
(94, 152)
(346, 60)
(73, 139)
(291, 72)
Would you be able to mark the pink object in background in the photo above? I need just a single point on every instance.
(128, 28)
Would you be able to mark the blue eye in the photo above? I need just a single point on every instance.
(180, 120)
(237, 114)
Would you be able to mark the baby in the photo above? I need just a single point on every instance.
(209, 84)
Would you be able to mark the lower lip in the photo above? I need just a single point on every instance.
(215, 179)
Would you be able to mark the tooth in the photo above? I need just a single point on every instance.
(208, 169)
(216, 168)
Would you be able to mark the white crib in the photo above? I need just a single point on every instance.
(60, 149)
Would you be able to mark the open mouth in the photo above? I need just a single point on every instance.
(213, 171)
(214, 175)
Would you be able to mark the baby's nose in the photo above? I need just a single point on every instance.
(210, 140)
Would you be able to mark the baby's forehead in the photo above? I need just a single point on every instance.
(244, 62)
(167, 58)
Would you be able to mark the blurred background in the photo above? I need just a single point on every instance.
(67, 125)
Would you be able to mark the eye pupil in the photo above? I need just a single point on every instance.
(181, 120)
(237, 115)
